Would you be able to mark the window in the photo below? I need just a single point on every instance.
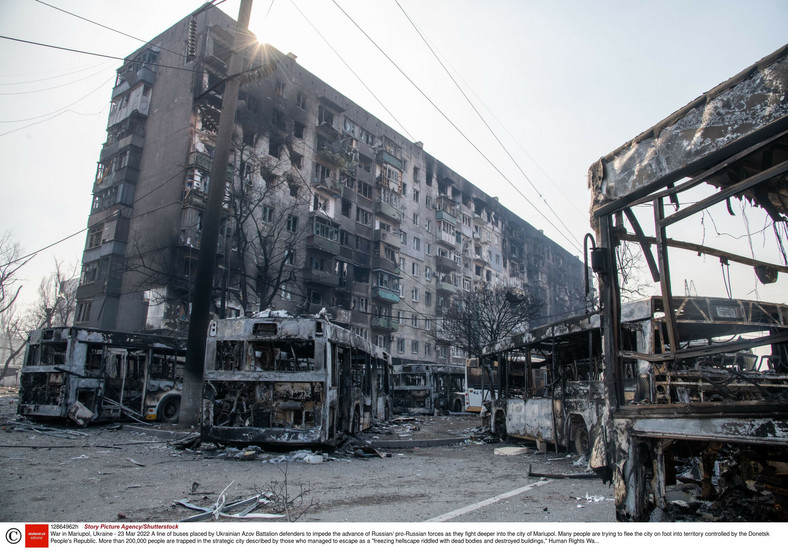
(416, 176)
(364, 189)
(428, 298)
(286, 293)
(324, 116)
(359, 303)
(427, 349)
(428, 273)
(428, 225)
(298, 130)
(414, 269)
(414, 321)
(290, 257)
(416, 219)
(268, 214)
(301, 102)
(414, 294)
(428, 324)
(279, 89)
(296, 159)
(403, 236)
(363, 217)
(466, 283)
(402, 263)
(278, 119)
(83, 313)
(416, 195)
(321, 172)
(347, 206)
(94, 236)
(417, 243)
(428, 201)
(292, 223)
(414, 347)
(400, 345)
(89, 272)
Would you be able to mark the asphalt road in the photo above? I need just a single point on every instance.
(103, 474)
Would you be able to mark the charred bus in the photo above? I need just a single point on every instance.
(708, 417)
(91, 375)
(428, 389)
(287, 381)
(553, 387)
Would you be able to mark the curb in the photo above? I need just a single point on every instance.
(411, 443)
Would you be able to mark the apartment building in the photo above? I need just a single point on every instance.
(326, 206)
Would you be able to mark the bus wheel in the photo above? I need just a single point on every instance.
(355, 424)
(170, 409)
(458, 405)
(500, 425)
(582, 444)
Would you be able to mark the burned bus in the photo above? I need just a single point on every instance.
(553, 387)
(685, 195)
(428, 389)
(278, 380)
(91, 375)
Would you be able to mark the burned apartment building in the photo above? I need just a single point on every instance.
(326, 206)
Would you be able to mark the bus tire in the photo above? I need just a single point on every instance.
(581, 440)
(355, 422)
(169, 410)
(500, 425)
(457, 405)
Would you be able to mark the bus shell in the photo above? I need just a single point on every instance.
(92, 375)
(285, 381)
(428, 389)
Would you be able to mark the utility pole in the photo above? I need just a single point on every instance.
(191, 396)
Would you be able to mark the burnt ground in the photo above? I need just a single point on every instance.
(423, 467)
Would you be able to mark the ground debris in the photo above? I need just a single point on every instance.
(221, 509)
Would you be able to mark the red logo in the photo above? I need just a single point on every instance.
(36, 535)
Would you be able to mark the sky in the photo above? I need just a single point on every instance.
(561, 83)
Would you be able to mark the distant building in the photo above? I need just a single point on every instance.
(326, 207)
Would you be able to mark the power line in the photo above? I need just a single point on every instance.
(100, 55)
(484, 121)
(449, 120)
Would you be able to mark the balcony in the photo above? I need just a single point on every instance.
(205, 162)
(446, 265)
(387, 210)
(388, 158)
(446, 288)
(323, 244)
(385, 323)
(330, 186)
(385, 264)
(447, 238)
(443, 215)
(325, 278)
(109, 150)
(381, 294)
(390, 238)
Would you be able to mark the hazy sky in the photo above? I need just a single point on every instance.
(561, 83)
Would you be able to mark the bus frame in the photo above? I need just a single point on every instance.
(91, 375)
(278, 380)
(428, 388)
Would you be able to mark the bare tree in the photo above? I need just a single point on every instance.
(632, 274)
(268, 205)
(487, 314)
(10, 264)
(57, 297)
(13, 337)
